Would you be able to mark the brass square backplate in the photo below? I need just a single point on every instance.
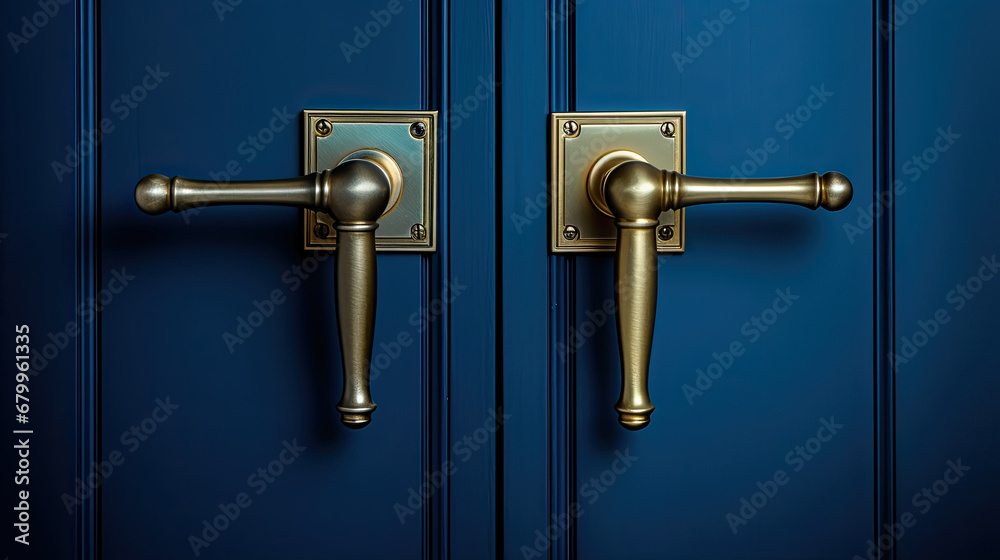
(410, 139)
(577, 141)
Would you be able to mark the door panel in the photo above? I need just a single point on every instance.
(947, 299)
(699, 482)
(763, 330)
(196, 401)
(675, 489)
(200, 389)
(233, 84)
(39, 242)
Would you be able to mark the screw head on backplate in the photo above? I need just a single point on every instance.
(418, 232)
(321, 230)
(323, 128)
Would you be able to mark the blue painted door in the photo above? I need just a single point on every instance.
(185, 368)
(823, 382)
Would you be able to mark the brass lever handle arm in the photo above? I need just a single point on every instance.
(355, 193)
(156, 194)
(831, 190)
(626, 187)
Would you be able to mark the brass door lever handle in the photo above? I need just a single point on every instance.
(623, 185)
(355, 193)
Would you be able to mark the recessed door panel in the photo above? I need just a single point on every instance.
(226, 322)
(761, 372)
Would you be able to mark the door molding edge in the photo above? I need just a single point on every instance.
(883, 108)
(88, 281)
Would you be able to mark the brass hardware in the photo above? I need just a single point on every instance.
(633, 193)
(667, 129)
(363, 188)
(322, 230)
(417, 130)
(323, 128)
(418, 232)
(578, 141)
(409, 140)
(571, 233)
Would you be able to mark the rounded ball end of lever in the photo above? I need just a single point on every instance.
(356, 421)
(632, 420)
(356, 417)
(837, 191)
(152, 194)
